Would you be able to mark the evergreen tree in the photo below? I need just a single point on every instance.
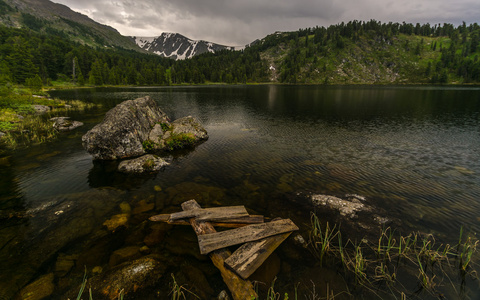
(96, 73)
(34, 83)
(21, 61)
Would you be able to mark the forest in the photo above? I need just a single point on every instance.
(356, 52)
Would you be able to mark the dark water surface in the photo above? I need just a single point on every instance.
(411, 151)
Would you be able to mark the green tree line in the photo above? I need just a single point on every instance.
(441, 53)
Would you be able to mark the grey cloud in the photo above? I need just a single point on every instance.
(234, 22)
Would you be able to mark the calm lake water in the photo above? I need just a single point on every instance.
(411, 151)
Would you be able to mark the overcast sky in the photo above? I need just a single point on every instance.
(239, 22)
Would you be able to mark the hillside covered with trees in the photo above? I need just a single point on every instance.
(348, 53)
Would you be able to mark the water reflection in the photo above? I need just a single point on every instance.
(411, 151)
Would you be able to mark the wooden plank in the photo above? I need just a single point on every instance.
(226, 223)
(211, 214)
(239, 288)
(160, 218)
(250, 233)
(250, 256)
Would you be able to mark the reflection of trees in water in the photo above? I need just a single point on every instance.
(10, 196)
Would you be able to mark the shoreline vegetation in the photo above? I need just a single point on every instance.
(25, 116)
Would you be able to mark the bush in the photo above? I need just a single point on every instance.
(180, 141)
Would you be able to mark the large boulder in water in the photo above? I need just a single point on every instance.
(124, 129)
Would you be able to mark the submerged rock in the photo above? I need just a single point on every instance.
(39, 289)
(125, 254)
(50, 231)
(64, 264)
(347, 208)
(130, 276)
(145, 164)
(65, 124)
(124, 129)
(117, 221)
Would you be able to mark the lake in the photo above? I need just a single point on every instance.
(411, 151)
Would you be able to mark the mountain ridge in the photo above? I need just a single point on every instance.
(178, 46)
(58, 19)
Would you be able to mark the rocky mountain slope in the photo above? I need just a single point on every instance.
(177, 46)
(47, 17)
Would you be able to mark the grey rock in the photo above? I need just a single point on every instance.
(2, 134)
(65, 124)
(346, 208)
(145, 164)
(189, 125)
(157, 136)
(41, 109)
(124, 129)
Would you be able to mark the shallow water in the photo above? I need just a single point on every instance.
(412, 151)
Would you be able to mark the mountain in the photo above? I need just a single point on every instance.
(48, 17)
(177, 46)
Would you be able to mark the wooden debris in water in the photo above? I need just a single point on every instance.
(214, 241)
(240, 289)
(250, 256)
(211, 214)
(227, 223)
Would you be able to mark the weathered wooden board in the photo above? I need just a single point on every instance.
(250, 256)
(250, 233)
(239, 288)
(211, 214)
(227, 223)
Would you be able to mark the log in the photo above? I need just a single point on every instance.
(239, 288)
(226, 223)
(211, 214)
(250, 233)
(250, 256)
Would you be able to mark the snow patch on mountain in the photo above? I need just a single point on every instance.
(177, 46)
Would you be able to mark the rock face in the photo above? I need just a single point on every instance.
(124, 129)
(136, 127)
(143, 164)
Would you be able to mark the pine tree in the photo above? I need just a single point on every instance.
(21, 61)
(34, 83)
(96, 73)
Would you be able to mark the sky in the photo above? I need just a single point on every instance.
(239, 22)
